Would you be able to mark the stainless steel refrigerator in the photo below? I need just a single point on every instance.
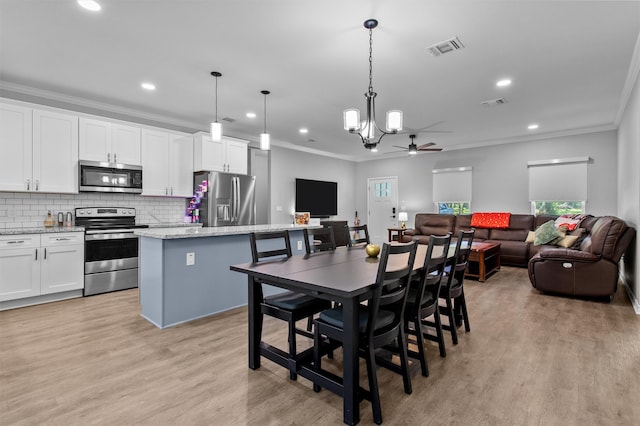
(228, 199)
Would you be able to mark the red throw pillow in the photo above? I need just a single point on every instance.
(490, 220)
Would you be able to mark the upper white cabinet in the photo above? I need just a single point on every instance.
(228, 155)
(110, 142)
(167, 163)
(39, 150)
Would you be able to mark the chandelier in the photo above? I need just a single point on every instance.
(367, 129)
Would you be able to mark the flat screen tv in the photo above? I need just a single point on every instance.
(320, 198)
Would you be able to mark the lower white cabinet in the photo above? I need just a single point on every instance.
(38, 264)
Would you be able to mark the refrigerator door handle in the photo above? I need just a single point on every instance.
(237, 199)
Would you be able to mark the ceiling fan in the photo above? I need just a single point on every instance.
(414, 149)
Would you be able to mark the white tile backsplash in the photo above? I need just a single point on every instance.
(28, 210)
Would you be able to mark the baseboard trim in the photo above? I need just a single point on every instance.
(634, 299)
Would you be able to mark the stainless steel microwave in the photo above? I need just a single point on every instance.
(97, 176)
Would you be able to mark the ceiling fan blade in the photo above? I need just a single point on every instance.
(426, 145)
(430, 149)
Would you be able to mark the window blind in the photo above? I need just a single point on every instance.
(558, 180)
(452, 185)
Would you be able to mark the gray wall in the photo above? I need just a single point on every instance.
(629, 184)
(287, 165)
(500, 174)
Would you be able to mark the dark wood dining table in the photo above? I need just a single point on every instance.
(347, 276)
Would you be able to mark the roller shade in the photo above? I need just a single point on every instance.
(452, 185)
(558, 180)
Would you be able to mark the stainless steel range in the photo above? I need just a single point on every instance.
(110, 248)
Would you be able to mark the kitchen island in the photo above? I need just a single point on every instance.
(174, 291)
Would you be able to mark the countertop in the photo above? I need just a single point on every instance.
(215, 231)
(41, 230)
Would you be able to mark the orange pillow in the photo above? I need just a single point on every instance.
(490, 220)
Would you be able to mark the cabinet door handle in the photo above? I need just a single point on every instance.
(45, 253)
(15, 242)
(28, 184)
(108, 157)
(172, 190)
(63, 239)
(115, 157)
(36, 254)
(37, 185)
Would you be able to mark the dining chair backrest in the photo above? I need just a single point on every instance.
(276, 244)
(390, 292)
(357, 235)
(430, 275)
(325, 239)
(461, 257)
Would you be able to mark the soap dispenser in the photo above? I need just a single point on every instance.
(48, 221)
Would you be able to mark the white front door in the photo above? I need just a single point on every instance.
(382, 205)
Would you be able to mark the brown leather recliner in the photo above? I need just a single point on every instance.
(590, 271)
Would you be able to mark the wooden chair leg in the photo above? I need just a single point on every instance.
(373, 387)
(420, 344)
(452, 322)
(404, 361)
(439, 333)
(465, 315)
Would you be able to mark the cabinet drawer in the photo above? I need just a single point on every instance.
(19, 241)
(62, 238)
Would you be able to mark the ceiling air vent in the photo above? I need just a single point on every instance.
(493, 102)
(446, 46)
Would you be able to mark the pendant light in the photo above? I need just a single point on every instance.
(367, 129)
(216, 127)
(265, 139)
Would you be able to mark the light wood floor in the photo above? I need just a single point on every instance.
(530, 359)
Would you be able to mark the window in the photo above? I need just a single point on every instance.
(453, 208)
(452, 190)
(558, 186)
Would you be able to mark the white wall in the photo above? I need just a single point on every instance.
(500, 173)
(28, 210)
(287, 165)
(629, 184)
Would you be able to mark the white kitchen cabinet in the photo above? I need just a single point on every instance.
(109, 142)
(229, 155)
(36, 264)
(167, 163)
(16, 161)
(62, 262)
(39, 150)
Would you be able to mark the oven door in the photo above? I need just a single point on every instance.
(110, 251)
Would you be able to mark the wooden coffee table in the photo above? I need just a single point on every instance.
(484, 260)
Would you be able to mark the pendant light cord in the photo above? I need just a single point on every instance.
(370, 60)
(216, 99)
(265, 113)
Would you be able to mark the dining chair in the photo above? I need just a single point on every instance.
(422, 301)
(288, 306)
(452, 290)
(322, 239)
(381, 321)
(357, 235)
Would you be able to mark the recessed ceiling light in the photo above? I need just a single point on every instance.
(503, 83)
(532, 126)
(148, 86)
(251, 115)
(304, 131)
(91, 5)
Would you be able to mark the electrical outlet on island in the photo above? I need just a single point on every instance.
(191, 259)
(299, 245)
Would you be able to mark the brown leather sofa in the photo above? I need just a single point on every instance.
(593, 269)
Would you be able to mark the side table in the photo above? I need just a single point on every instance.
(399, 232)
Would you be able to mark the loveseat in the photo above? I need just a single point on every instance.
(593, 259)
